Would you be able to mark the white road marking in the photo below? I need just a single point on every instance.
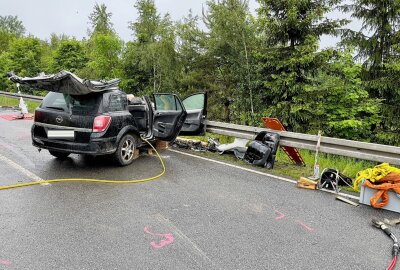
(260, 173)
(21, 169)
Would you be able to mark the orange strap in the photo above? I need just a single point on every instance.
(381, 197)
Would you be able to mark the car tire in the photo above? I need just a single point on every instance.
(60, 155)
(125, 153)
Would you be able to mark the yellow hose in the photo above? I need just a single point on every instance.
(95, 180)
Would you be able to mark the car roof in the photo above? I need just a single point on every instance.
(65, 82)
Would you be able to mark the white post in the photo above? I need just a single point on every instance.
(316, 165)
(23, 106)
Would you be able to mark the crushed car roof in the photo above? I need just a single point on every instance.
(65, 82)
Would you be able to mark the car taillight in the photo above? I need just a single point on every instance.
(101, 123)
(37, 116)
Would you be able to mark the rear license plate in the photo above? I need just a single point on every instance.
(61, 134)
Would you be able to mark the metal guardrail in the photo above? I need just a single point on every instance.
(341, 147)
(16, 95)
(348, 148)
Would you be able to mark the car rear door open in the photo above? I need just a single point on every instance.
(169, 116)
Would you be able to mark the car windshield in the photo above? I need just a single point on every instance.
(84, 104)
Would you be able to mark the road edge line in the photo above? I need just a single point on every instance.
(21, 169)
(280, 178)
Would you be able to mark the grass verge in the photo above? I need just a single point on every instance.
(13, 102)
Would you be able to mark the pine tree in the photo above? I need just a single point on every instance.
(289, 57)
(377, 44)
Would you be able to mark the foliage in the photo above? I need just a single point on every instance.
(194, 76)
(100, 20)
(25, 55)
(342, 107)
(10, 28)
(150, 62)
(229, 46)
(69, 55)
(287, 65)
(25, 58)
(377, 43)
(12, 25)
(251, 65)
(4, 68)
(104, 56)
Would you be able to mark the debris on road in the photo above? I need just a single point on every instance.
(339, 198)
(238, 147)
(194, 145)
(293, 153)
(262, 151)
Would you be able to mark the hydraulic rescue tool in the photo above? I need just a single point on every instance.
(395, 251)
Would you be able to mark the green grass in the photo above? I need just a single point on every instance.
(284, 167)
(13, 102)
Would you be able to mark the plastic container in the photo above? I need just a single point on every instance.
(394, 200)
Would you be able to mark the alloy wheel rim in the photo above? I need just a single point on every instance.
(127, 150)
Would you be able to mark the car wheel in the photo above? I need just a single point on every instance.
(125, 153)
(61, 155)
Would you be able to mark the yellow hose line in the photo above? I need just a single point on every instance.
(95, 180)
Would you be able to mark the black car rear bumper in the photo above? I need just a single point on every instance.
(98, 146)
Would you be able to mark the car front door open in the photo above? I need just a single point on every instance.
(196, 108)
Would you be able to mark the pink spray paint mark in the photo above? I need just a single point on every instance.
(281, 216)
(308, 228)
(169, 239)
(5, 262)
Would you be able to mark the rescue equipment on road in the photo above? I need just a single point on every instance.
(374, 174)
(395, 250)
(390, 182)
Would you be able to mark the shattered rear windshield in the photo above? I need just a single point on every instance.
(84, 104)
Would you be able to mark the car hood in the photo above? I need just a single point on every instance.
(65, 82)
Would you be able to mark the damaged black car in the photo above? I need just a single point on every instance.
(80, 116)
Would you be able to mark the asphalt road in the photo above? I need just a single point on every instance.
(200, 215)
